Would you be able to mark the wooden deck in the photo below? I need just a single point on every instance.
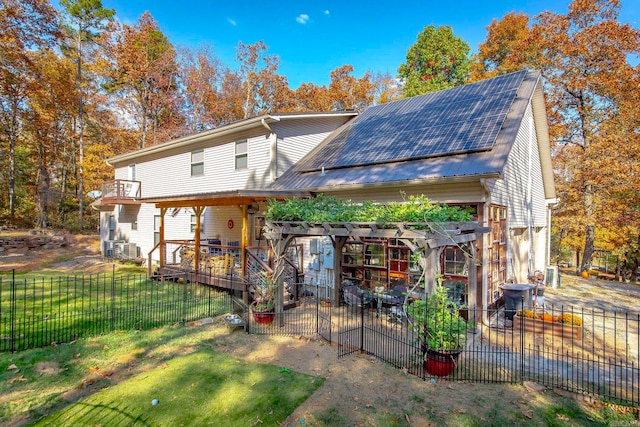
(230, 281)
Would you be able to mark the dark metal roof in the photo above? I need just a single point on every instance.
(467, 130)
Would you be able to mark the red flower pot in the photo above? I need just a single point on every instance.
(441, 363)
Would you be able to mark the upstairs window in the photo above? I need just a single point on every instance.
(197, 162)
(241, 154)
(193, 224)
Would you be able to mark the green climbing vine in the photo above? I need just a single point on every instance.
(413, 209)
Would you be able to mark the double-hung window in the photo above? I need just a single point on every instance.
(193, 224)
(197, 162)
(241, 154)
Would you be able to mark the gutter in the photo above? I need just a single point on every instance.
(418, 181)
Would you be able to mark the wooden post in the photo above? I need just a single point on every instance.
(197, 210)
(162, 248)
(245, 238)
(472, 291)
(278, 273)
(338, 244)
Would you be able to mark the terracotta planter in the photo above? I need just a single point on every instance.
(539, 326)
(441, 363)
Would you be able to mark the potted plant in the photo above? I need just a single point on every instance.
(441, 330)
(263, 305)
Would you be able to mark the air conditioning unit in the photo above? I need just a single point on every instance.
(107, 249)
(112, 248)
(130, 250)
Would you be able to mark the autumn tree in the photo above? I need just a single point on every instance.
(311, 97)
(143, 73)
(497, 54)
(86, 19)
(264, 89)
(437, 60)
(25, 25)
(201, 74)
(52, 106)
(583, 56)
(347, 92)
(386, 88)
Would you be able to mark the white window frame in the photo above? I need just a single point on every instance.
(197, 162)
(242, 154)
(192, 224)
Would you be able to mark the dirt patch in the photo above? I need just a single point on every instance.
(360, 390)
(81, 254)
(47, 368)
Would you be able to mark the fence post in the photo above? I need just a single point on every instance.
(317, 309)
(113, 297)
(13, 310)
(184, 301)
(362, 327)
(521, 320)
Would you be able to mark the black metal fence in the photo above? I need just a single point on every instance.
(42, 311)
(597, 357)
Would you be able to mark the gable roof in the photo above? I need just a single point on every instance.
(460, 133)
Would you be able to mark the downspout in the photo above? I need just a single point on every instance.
(549, 203)
(273, 151)
(530, 201)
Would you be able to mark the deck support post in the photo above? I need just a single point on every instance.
(197, 210)
(162, 247)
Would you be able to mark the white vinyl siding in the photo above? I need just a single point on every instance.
(298, 138)
(513, 189)
(444, 193)
(170, 174)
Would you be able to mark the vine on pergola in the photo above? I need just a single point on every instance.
(419, 222)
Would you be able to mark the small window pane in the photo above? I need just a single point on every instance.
(241, 147)
(197, 156)
(197, 169)
(241, 162)
(197, 162)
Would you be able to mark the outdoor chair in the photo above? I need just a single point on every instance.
(395, 304)
(355, 297)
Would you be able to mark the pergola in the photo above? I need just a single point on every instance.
(426, 239)
(198, 202)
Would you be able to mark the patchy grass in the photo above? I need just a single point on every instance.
(199, 389)
(196, 372)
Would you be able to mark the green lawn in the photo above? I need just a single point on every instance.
(112, 380)
(56, 309)
(198, 389)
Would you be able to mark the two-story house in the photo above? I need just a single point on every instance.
(484, 146)
(213, 182)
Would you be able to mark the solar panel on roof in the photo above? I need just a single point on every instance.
(462, 119)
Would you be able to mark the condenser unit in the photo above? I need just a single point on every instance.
(130, 250)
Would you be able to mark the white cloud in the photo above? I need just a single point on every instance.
(232, 22)
(326, 12)
(303, 18)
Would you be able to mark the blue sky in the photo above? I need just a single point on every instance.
(311, 38)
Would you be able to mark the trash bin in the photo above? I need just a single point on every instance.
(515, 295)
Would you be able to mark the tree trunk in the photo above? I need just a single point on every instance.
(590, 236)
(80, 138)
